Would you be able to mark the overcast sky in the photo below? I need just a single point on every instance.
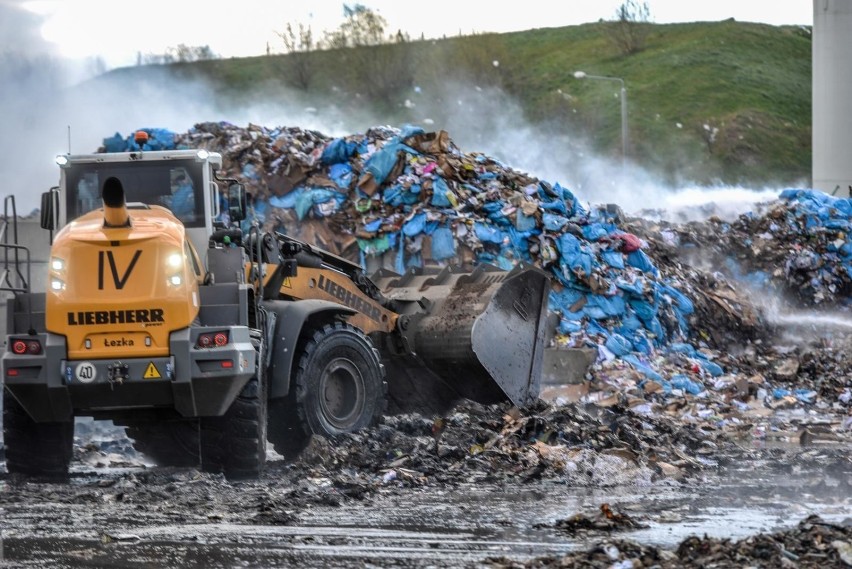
(117, 31)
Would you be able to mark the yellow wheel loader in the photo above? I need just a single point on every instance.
(206, 341)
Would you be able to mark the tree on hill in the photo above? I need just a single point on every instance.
(376, 70)
(296, 66)
(627, 32)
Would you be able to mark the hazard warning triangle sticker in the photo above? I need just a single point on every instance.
(151, 372)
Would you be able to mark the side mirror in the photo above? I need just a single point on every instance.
(237, 206)
(49, 209)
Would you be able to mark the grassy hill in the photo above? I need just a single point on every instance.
(722, 102)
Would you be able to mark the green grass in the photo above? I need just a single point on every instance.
(752, 82)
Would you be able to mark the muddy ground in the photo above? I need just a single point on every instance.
(560, 485)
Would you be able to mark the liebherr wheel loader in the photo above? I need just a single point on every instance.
(206, 341)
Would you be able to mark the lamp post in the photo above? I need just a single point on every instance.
(584, 75)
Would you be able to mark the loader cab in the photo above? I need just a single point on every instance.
(180, 180)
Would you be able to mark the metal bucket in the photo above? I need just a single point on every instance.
(477, 335)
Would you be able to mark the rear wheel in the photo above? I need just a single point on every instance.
(167, 443)
(235, 443)
(339, 381)
(287, 433)
(35, 449)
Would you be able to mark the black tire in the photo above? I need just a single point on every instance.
(167, 443)
(287, 433)
(235, 443)
(339, 381)
(39, 450)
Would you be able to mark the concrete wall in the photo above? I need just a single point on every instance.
(832, 96)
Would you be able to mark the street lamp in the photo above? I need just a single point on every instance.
(584, 75)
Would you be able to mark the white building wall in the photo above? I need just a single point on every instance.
(832, 96)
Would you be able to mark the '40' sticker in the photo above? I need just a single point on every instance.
(85, 372)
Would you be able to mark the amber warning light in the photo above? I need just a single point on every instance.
(140, 137)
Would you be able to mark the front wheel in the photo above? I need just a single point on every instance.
(41, 450)
(339, 382)
(235, 443)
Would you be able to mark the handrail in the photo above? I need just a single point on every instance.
(25, 282)
(9, 204)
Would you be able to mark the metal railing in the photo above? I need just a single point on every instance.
(12, 279)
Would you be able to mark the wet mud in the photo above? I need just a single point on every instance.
(400, 495)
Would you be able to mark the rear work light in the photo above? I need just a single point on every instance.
(21, 347)
(212, 339)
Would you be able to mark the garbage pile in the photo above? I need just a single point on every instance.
(796, 247)
(667, 308)
(409, 198)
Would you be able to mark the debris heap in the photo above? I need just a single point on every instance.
(403, 198)
(628, 288)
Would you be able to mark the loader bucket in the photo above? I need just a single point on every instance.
(477, 335)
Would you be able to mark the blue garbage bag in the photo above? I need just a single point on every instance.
(440, 193)
(524, 222)
(567, 326)
(383, 160)
(610, 306)
(642, 344)
(304, 203)
(494, 212)
(409, 130)
(572, 206)
(115, 143)
(635, 288)
(618, 345)
(712, 368)
(289, 200)
(574, 253)
(158, 139)
(629, 322)
(342, 175)
(644, 310)
(392, 195)
(805, 395)
(642, 367)
(519, 241)
(683, 348)
(684, 383)
(488, 233)
(554, 205)
(642, 262)
(563, 300)
(249, 171)
(594, 231)
(415, 225)
(373, 226)
(780, 393)
(683, 303)
(316, 196)
(614, 259)
(553, 221)
(338, 151)
(183, 200)
(443, 243)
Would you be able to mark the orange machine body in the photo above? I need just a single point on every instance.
(119, 291)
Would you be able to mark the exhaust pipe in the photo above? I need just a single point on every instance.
(115, 206)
